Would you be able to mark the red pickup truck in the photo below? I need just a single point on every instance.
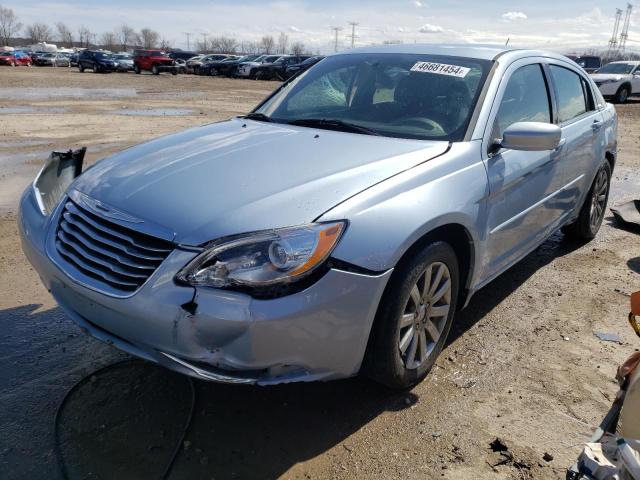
(154, 61)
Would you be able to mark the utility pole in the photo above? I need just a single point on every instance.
(353, 33)
(625, 28)
(337, 30)
(188, 34)
(205, 42)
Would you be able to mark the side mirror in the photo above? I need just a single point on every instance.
(531, 136)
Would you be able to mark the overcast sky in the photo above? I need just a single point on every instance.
(560, 25)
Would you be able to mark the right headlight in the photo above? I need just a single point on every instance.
(264, 259)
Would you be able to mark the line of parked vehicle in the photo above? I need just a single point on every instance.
(259, 67)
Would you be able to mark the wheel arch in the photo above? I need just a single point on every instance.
(461, 240)
(611, 158)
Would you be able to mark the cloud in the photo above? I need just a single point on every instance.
(428, 28)
(511, 16)
(417, 3)
(294, 29)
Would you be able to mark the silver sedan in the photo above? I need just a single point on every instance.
(337, 228)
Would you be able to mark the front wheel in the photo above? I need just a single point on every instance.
(622, 95)
(414, 317)
(592, 212)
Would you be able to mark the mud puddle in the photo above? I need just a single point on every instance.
(25, 109)
(62, 92)
(155, 112)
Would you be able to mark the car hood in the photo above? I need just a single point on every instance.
(240, 176)
(608, 76)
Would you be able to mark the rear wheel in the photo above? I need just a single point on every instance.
(622, 95)
(414, 318)
(592, 212)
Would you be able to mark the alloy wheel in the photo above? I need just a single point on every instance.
(425, 315)
(598, 199)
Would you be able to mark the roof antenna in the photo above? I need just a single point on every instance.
(507, 42)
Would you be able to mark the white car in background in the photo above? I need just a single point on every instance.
(618, 80)
(246, 69)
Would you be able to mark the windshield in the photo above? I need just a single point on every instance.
(622, 68)
(397, 95)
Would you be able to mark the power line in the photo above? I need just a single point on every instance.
(353, 33)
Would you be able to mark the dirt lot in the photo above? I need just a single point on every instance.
(523, 363)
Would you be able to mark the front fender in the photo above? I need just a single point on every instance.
(388, 218)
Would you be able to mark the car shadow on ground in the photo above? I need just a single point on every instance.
(126, 421)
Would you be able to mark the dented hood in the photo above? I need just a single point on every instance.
(240, 176)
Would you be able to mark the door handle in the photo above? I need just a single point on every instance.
(595, 126)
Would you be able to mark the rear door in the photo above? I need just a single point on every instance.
(581, 124)
(520, 182)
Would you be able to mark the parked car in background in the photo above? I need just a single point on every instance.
(247, 69)
(15, 59)
(98, 61)
(193, 63)
(53, 60)
(618, 80)
(338, 227)
(181, 65)
(296, 68)
(229, 68)
(276, 70)
(154, 61)
(124, 62)
(213, 68)
(181, 54)
(73, 59)
(213, 57)
(589, 63)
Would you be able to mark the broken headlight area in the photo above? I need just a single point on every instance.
(58, 172)
(265, 264)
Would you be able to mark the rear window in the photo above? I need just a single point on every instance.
(571, 95)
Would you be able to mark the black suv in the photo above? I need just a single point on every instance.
(97, 61)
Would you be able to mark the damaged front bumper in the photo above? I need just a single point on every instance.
(317, 334)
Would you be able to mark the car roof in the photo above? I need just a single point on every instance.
(628, 62)
(479, 51)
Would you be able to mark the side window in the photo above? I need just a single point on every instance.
(588, 94)
(525, 99)
(571, 99)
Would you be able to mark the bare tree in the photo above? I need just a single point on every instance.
(65, 36)
(126, 36)
(84, 36)
(39, 32)
(283, 43)
(249, 47)
(298, 48)
(268, 44)
(9, 25)
(224, 45)
(165, 44)
(149, 38)
(109, 41)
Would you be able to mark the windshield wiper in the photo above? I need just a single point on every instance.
(260, 117)
(333, 124)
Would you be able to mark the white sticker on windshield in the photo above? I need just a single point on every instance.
(441, 69)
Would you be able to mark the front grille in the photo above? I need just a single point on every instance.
(108, 252)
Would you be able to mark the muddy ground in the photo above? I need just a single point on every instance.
(522, 364)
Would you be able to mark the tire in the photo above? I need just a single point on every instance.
(593, 210)
(622, 95)
(174, 72)
(155, 70)
(401, 320)
(94, 68)
(80, 68)
(136, 69)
